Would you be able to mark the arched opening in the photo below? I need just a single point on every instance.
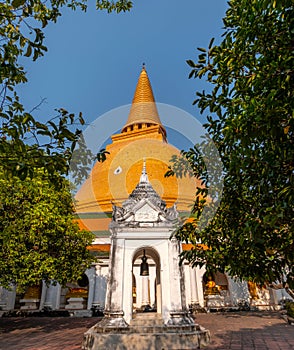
(77, 293)
(30, 300)
(216, 289)
(147, 287)
(215, 283)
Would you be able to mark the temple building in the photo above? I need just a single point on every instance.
(132, 209)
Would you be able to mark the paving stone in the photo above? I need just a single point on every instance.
(229, 331)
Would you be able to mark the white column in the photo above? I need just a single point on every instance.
(136, 272)
(199, 281)
(152, 276)
(178, 311)
(175, 275)
(145, 290)
(128, 285)
(97, 287)
(193, 286)
(52, 296)
(115, 279)
(49, 296)
(43, 295)
(7, 298)
(114, 294)
(90, 273)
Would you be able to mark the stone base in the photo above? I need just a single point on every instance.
(215, 301)
(30, 304)
(179, 318)
(76, 304)
(145, 337)
(80, 313)
(168, 341)
(261, 305)
(196, 309)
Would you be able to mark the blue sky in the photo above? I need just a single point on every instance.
(94, 58)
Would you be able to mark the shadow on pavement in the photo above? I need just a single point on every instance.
(243, 330)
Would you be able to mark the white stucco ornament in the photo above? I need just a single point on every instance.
(143, 206)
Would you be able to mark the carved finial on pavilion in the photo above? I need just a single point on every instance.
(144, 176)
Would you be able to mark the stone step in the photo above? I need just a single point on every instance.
(159, 329)
(155, 329)
(94, 340)
(146, 315)
(146, 319)
(153, 323)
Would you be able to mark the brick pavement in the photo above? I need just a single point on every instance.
(248, 331)
(229, 331)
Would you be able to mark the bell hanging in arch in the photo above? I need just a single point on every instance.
(144, 268)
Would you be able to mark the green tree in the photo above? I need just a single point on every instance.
(25, 143)
(249, 109)
(39, 239)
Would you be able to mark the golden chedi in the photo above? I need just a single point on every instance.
(111, 182)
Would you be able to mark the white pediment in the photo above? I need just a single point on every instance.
(145, 213)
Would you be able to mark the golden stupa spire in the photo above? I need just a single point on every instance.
(143, 93)
(143, 110)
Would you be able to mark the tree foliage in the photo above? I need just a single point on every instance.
(250, 118)
(39, 239)
(25, 143)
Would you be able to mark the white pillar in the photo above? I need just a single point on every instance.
(97, 302)
(145, 290)
(43, 295)
(115, 287)
(7, 298)
(136, 272)
(152, 276)
(49, 296)
(178, 312)
(52, 296)
(90, 273)
(193, 286)
(175, 278)
(115, 284)
(199, 281)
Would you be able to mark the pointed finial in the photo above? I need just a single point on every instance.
(143, 66)
(144, 176)
(143, 109)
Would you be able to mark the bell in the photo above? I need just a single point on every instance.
(144, 268)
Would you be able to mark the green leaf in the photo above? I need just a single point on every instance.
(211, 43)
(18, 3)
(190, 63)
(249, 106)
(29, 51)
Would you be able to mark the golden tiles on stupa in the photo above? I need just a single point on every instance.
(143, 110)
(143, 91)
(112, 181)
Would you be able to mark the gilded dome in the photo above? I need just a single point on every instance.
(112, 181)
